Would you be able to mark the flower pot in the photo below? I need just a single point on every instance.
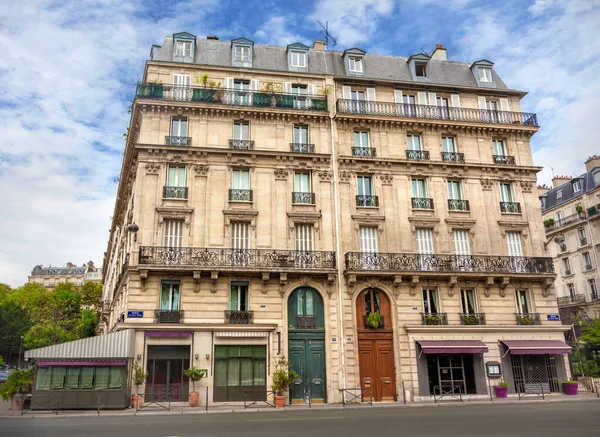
(136, 401)
(16, 402)
(570, 389)
(194, 398)
(280, 401)
(501, 391)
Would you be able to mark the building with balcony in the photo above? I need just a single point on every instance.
(571, 218)
(50, 276)
(372, 218)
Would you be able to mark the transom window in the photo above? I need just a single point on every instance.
(169, 296)
(298, 59)
(355, 65)
(485, 74)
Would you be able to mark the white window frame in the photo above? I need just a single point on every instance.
(519, 303)
(355, 64)
(363, 138)
(414, 142)
(430, 295)
(566, 266)
(571, 290)
(485, 74)
(507, 194)
(499, 147)
(576, 186)
(242, 293)
(585, 264)
(179, 126)
(302, 182)
(464, 301)
(240, 179)
(176, 177)
(419, 187)
(364, 185)
(425, 69)
(300, 134)
(305, 237)
(368, 239)
(173, 304)
(582, 236)
(241, 130)
(172, 233)
(560, 217)
(455, 191)
(183, 48)
(559, 194)
(298, 59)
(593, 288)
(240, 235)
(241, 53)
(448, 141)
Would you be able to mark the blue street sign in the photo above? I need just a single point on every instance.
(134, 314)
(553, 317)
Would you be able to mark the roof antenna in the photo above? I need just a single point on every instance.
(422, 50)
(326, 34)
(552, 168)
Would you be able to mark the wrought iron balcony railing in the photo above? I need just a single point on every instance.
(565, 301)
(241, 144)
(413, 262)
(364, 151)
(224, 96)
(587, 267)
(175, 192)
(595, 296)
(472, 318)
(374, 323)
(434, 318)
(168, 316)
(504, 159)
(302, 148)
(235, 317)
(436, 112)
(567, 272)
(364, 201)
(458, 205)
(552, 224)
(246, 258)
(453, 156)
(305, 322)
(237, 195)
(417, 155)
(422, 203)
(592, 211)
(510, 207)
(583, 242)
(178, 141)
(306, 198)
(528, 319)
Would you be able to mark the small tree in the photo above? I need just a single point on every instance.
(139, 377)
(195, 374)
(18, 382)
(283, 375)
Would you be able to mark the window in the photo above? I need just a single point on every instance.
(355, 65)
(522, 300)
(587, 260)
(241, 54)
(576, 186)
(582, 237)
(169, 296)
(241, 95)
(183, 48)
(181, 87)
(559, 194)
(361, 139)
(76, 377)
(239, 297)
(455, 190)
(460, 237)
(515, 251)
(414, 142)
(597, 178)
(425, 248)
(468, 302)
(368, 239)
(241, 130)
(357, 101)
(442, 104)
(593, 288)
(305, 237)
(566, 265)
(448, 144)
(543, 202)
(176, 176)
(421, 69)
(300, 134)
(419, 188)
(571, 290)
(302, 182)
(560, 218)
(498, 147)
(430, 302)
(300, 100)
(364, 185)
(240, 235)
(562, 246)
(506, 193)
(298, 59)
(179, 127)
(173, 233)
(485, 74)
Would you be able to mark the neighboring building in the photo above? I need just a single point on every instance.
(571, 215)
(50, 276)
(373, 218)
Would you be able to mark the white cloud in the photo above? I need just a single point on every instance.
(276, 31)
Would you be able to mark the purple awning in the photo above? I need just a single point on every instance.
(453, 346)
(537, 347)
(168, 333)
(81, 363)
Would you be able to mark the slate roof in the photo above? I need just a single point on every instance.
(39, 270)
(587, 185)
(267, 57)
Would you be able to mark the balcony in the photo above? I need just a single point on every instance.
(168, 316)
(434, 318)
(583, 242)
(504, 159)
(303, 198)
(237, 195)
(375, 322)
(472, 318)
(510, 208)
(567, 272)
(565, 301)
(562, 247)
(427, 112)
(593, 211)
(417, 155)
(458, 205)
(551, 224)
(587, 267)
(221, 96)
(369, 152)
(363, 201)
(453, 157)
(443, 263)
(239, 317)
(528, 319)
(208, 258)
(302, 148)
(305, 322)
(178, 141)
(422, 203)
(241, 144)
(175, 192)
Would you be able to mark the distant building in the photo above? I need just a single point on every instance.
(571, 213)
(51, 276)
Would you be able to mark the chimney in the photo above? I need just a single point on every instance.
(543, 189)
(439, 54)
(319, 45)
(557, 181)
(213, 37)
(70, 265)
(592, 163)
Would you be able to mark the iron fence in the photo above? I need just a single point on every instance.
(528, 318)
(453, 156)
(367, 201)
(168, 316)
(178, 141)
(364, 151)
(306, 198)
(417, 155)
(175, 192)
(504, 159)
(434, 318)
(570, 300)
(302, 148)
(237, 195)
(422, 203)
(472, 318)
(510, 207)
(237, 317)
(458, 205)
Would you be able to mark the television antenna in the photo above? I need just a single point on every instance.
(325, 32)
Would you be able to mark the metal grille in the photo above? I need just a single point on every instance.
(534, 369)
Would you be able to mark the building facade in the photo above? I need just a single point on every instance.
(50, 276)
(571, 217)
(372, 218)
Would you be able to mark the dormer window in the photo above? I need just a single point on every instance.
(297, 57)
(241, 52)
(576, 186)
(559, 194)
(183, 47)
(354, 61)
(421, 69)
(355, 65)
(485, 74)
(482, 72)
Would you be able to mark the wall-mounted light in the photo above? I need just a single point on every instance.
(196, 356)
(139, 357)
(207, 356)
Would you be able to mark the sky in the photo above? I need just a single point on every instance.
(68, 71)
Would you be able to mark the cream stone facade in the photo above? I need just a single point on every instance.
(339, 209)
(52, 276)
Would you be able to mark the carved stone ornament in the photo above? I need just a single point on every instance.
(330, 283)
(201, 169)
(197, 275)
(503, 285)
(451, 284)
(282, 283)
(143, 278)
(325, 175)
(214, 275)
(351, 283)
(152, 167)
(527, 186)
(345, 176)
(414, 282)
(487, 184)
(281, 173)
(546, 286)
(488, 286)
(265, 281)
(386, 178)
(396, 283)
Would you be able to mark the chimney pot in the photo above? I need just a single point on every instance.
(319, 45)
(213, 37)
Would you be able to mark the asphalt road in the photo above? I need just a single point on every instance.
(561, 419)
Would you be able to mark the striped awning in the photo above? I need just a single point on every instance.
(453, 346)
(537, 347)
(241, 334)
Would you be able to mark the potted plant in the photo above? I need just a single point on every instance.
(195, 374)
(321, 103)
(139, 377)
(155, 89)
(432, 319)
(501, 389)
(271, 96)
(282, 377)
(17, 385)
(373, 320)
(207, 92)
(570, 387)
(579, 209)
(548, 222)
(470, 319)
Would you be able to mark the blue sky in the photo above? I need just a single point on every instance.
(69, 69)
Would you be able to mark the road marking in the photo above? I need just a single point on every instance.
(299, 418)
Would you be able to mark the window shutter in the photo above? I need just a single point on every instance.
(421, 98)
(461, 242)
(346, 92)
(504, 105)
(368, 239)
(425, 241)
(229, 83)
(398, 97)
(371, 96)
(432, 99)
(254, 85)
(481, 102)
(173, 233)
(455, 100)
(240, 236)
(304, 238)
(513, 242)
(287, 87)
(312, 89)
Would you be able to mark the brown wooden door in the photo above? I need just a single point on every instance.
(376, 360)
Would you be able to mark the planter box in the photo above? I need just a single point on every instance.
(500, 391)
(203, 95)
(570, 389)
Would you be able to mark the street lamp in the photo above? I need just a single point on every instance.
(20, 349)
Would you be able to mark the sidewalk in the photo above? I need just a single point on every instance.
(224, 409)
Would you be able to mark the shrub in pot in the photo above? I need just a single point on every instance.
(17, 385)
(194, 374)
(139, 377)
(501, 389)
(570, 387)
(282, 378)
(374, 320)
